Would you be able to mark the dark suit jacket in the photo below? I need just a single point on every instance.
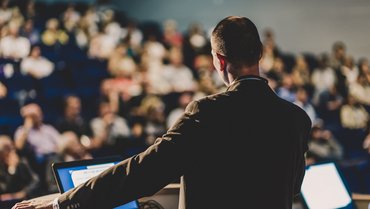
(243, 148)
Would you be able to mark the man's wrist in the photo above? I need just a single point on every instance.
(56, 204)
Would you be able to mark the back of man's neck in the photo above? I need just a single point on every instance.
(247, 71)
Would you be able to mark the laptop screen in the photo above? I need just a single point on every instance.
(324, 187)
(71, 174)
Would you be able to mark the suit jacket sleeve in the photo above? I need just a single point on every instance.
(302, 149)
(143, 174)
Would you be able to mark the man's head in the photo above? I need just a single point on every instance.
(235, 40)
(72, 108)
(34, 112)
(35, 52)
(6, 146)
(71, 145)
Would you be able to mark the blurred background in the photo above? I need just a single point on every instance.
(86, 79)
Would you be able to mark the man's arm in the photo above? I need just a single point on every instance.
(303, 147)
(141, 175)
(22, 133)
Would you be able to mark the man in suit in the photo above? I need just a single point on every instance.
(242, 148)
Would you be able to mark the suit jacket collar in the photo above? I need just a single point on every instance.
(244, 79)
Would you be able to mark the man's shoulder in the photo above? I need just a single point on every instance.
(49, 128)
(293, 111)
(214, 98)
(299, 113)
(206, 103)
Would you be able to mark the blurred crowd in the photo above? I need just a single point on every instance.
(83, 81)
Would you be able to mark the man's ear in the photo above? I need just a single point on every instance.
(222, 60)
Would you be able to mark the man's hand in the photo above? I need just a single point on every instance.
(33, 204)
(28, 123)
(44, 202)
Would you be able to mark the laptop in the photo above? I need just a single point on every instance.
(324, 187)
(71, 174)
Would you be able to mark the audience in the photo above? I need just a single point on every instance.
(102, 45)
(133, 37)
(108, 129)
(360, 88)
(354, 120)
(120, 64)
(323, 77)
(349, 70)
(176, 74)
(152, 60)
(301, 72)
(70, 18)
(13, 46)
(5, 12)
(152, 110)
(36, 140)
(323, 146)
(303, 101)
(184, 99)
(53, 35)
(70, 149)
(137, 141)
(72, 119)
(171, 36)
(17, 180)
(141, 78)
(353, 114)
(35, 65)
(30, 32)
(287, 88)
(43, 139)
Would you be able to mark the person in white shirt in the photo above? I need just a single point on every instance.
(101, 46)
(178, 75)
(37, 140)
(152, 59)
(36, 65)
(350, 70)
(13, 46)
(42, 138)
(108, 128)
(323, 77)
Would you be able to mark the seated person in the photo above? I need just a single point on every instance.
(70, 149)
(323, 146)
(14, 46)
(53, 35)
(17, 180)
(72, 119)
(108, 129)
(36, 140)
(36, 65)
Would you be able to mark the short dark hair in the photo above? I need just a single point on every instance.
(238, 40)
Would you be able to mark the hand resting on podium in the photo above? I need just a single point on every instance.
(43, 202)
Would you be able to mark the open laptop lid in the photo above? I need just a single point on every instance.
(71, 174)
(324, 187)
